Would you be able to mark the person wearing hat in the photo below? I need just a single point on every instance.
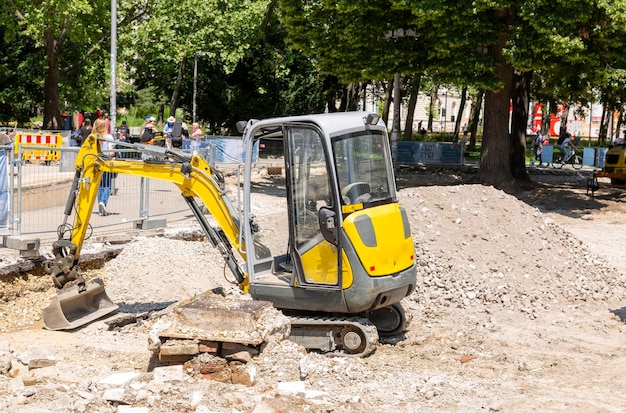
(167, 131)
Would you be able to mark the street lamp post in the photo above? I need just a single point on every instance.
(395, 127)
(113, 72)
(195, 84)
(445, 112)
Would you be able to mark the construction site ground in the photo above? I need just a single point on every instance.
(520, 306)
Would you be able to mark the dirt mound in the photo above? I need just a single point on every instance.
(478, 246)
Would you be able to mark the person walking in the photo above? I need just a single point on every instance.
(107, 148)
(83, 132)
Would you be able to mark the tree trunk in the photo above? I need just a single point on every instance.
(620, 121)
(353, 93)
(387, 103)
(457, 124)
(414, 93)
(343, 103)
(161, 114)
(611, 130)
(519, 123)
(495, 159)
(545, 118)
(475, 119)
(431, 110)
(602, 135)
(177, 86)
(51, 113)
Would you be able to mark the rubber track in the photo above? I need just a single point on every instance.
(337, 324)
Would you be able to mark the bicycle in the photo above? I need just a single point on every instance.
(574, 159)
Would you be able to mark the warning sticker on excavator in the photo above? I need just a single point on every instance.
(347, 209)
(39, 147)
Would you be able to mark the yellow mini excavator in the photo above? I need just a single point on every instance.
(334, 253)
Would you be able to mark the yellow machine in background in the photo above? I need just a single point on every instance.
(334, 252)
(614, 165)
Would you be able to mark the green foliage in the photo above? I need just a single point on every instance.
(66, 39)
(146, 104)
(363, 41)
(20, 90)
(245, 69)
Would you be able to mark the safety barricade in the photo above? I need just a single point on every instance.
(39, 148)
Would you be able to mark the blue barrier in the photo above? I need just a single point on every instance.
(227, 149)
(600, 157)
(589, 156)
(547, 154)
(430, 153)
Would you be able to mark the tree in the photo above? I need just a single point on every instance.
(482, 42)
(161, 45)
(457, 123)
(414, 92)
(21, 90)
(71, 35)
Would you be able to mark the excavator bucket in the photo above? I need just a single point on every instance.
(76, 306)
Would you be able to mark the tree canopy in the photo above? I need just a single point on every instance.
(258, 58)
(574, 48)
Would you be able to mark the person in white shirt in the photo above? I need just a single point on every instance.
(107, 147)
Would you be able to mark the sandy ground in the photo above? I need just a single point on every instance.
(520, 306)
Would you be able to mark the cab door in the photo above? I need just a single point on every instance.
(309, 188)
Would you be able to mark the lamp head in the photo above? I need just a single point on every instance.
(371, 119)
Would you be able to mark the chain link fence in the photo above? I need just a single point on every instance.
(40, 176)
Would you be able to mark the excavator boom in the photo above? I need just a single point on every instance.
(84, 301)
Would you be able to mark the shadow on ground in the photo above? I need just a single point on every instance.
(560, 191)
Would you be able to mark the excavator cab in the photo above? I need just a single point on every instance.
(347, 246)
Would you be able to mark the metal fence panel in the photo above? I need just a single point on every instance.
(40, 192)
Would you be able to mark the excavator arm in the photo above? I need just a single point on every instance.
(194, 177)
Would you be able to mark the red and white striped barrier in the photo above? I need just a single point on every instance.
(47, 143)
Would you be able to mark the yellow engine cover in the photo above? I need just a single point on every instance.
(382, 239)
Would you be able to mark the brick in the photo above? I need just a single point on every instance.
(241, 356)
(239, 376)
(179, 349)
(174, 360)
(208, 347)
(232, 348)
(213, 366)
(223, 376)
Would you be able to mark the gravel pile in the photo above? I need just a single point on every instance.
(477, 247)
